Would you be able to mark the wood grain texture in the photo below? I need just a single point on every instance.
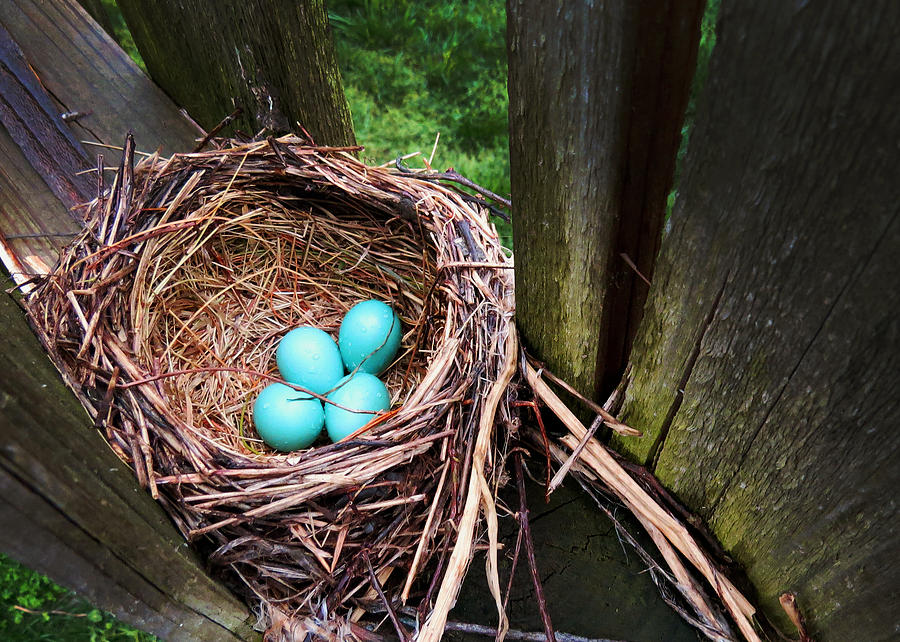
(83, 70)
(34, 224)
(667, 38)
(69, 507)
(767, 369)
(86, 71)
(32, 121)
(275, 60)
(569, 79)
(76, 513)
(597, 94)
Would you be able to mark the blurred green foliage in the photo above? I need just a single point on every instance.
(122, 35)
(32, 607)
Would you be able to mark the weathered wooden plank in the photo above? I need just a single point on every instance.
(73, 558)
(275, 60)
(767, 370)
(568, 133)
(106, 537)
(27, 113)
(813, 501)
(86, 71)
(33, 223)
(83, 70)
(597, 93)
(90, 525)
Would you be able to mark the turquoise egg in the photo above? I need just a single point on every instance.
(369, 337)
(361, 392)
(309, 357)
(286, 419)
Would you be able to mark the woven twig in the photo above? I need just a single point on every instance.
(164, 317)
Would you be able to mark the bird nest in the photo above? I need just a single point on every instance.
(165, 314)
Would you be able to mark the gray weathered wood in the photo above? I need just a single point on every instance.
(275, 60)
(767, 370)
(82, 70)
(597, 93)
(33, 122)
(666, 43)
(86, 71)
(72, 510)
(33, 223)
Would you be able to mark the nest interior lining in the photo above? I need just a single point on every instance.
(253, 268)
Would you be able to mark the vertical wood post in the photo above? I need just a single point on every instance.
(275, 60)
(597, 93)
(766, 374)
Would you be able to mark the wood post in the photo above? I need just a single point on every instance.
(766, 374)
(597, 92)
(274, 60)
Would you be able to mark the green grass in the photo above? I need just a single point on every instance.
(412, 70)
(122, 34)
(33, 607)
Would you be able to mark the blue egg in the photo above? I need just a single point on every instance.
(360, 392)
(286, 419)
(309, 357)
(369, 337)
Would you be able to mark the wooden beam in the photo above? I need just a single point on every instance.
(34, 224)
(274, 60)
(99, 14)
(596, 97)
(667, 38)
(27, 113)
(69, 507)
(82, 70)
(85, 71)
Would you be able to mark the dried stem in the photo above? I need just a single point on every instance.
(529, 548)
(514, 634)
(788, 602)
(597, 459)
(401, 632)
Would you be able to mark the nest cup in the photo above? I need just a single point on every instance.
(164, 317)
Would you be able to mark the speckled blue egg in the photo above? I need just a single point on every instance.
(309, 357)
(369, 337)
(286, 419)
(364, 395)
